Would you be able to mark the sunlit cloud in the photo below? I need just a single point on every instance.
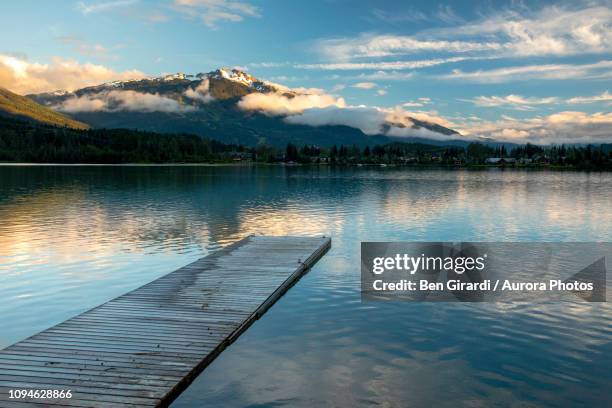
(513, 101)
(201, 92)
(211, 12)
(563, 127)
(603, 97)
(417, 103)
(281, 103)
(364, 85)
(120, 100)
(89, 49)
(551, 31)
(597, 70)
(381, 65)
(24, 77)
(90, 8)
(377, 46)
(525, 103)
(373, 120)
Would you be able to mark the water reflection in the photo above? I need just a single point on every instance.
(73, 237)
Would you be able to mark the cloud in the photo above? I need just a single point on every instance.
(314, 107)
(376, 46)
(596, 70)
(418, 103)
(447, 14)
(550, 31)
(385, 76)
(213, 11)
(86, 48)
(119, 100)
(603, 97)
(90, 8)
(364, 85)
(382, 65)
(513, 101)
(23, 77)
(370, 120)
(524, 103)
(395, 17)
(288, 103)
(565, 127)
(201, 92)
(444, 13)
(381, 92)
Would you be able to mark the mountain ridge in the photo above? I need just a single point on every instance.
(21, 107)
(208, 104)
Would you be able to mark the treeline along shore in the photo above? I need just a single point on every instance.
(24, 142)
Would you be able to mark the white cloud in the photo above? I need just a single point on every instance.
(560, 128)
(368, 119)
(376, 46)
(364, 85)
(599, 69)
(373, 120)
(524, 103)
(118, 100)
(89, 8)
(394, 17)
(23, 77)
(603, 97)
(381, 92)
(513, 101)
(289, 103)
(201, 92)
(418, 103)
(213, 11)
(448, 15)
(550, 31)
(385, 76)
(87, 48)
(381, 65)
(314, 107)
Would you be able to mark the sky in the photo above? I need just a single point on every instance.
(502, 69)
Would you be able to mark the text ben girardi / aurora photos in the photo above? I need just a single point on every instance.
(457, 266)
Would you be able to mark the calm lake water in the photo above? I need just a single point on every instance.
(72, 237)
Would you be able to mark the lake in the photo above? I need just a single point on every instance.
(72, 237)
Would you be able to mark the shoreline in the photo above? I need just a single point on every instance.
(312, 165)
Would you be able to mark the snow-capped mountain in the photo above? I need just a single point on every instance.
(226, 104)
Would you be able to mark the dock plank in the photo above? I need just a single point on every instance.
(143, 348)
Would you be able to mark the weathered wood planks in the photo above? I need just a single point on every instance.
(145, 347)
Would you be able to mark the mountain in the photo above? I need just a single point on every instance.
(209, 104)
(20, 107)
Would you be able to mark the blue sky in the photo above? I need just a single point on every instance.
(467, 63)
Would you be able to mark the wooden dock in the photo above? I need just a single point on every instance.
(144, 348)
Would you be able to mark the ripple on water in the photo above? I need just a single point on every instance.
(74, 237)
